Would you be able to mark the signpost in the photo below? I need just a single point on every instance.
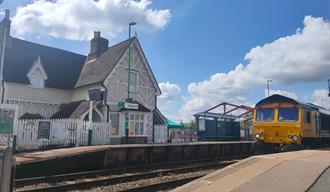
(43, 130)
(93, 95)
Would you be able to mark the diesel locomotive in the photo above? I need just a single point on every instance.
(281, 123)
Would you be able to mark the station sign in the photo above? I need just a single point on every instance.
(126, 105)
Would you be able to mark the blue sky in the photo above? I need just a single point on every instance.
(202, 38)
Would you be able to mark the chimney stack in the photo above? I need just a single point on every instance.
(99, 45)
(7, 14)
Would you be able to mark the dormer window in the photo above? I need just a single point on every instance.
(37, 75)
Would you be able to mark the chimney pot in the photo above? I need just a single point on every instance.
(97, 34)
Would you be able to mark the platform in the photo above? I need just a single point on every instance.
(59, 161)
(291, 171)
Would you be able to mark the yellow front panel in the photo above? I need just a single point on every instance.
(277, 131)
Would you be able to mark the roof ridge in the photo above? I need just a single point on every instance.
(46, 46)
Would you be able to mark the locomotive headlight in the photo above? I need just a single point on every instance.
(294, 137)
(258, 135)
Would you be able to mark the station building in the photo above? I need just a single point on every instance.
(48, 82)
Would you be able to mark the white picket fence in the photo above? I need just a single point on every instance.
(62, 133)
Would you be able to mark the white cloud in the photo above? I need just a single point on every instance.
(281, 92)
(171, 95)
(301, 57)
(320, 97)
(77, 19)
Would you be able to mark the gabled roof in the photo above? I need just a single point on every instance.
(37, 65)
(66, 110)
(159, 118)
(96, 71)
(62, 67)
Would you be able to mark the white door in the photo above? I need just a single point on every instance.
(160, 134)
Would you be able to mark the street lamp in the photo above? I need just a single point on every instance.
(129, 58)
(129, 79)
(268, 81)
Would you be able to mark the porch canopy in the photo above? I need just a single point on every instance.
(172, 124)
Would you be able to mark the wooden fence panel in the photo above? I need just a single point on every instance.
(62, 133)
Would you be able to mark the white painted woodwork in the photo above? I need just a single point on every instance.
(117, 82)
(63, 132)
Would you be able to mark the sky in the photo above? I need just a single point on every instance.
(201, 52)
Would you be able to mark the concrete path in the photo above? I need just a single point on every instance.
(292, 171)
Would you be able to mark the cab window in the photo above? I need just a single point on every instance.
(288, 114)
(307, 116)
(265, 114)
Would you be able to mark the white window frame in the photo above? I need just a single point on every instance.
(136, 83)
(132, 123)
(37, 82)
(112, 114)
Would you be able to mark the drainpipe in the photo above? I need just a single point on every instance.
(2, 63)
(105, 101)
(153, 123)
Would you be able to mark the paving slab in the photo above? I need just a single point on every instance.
(292, 171)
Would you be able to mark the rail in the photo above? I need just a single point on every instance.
(88, 180)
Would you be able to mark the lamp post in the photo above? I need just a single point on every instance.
(128, 80)
(129, 58)
(268, 81)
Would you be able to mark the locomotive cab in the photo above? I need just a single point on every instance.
(280, 122)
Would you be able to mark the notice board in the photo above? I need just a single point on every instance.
(43, 130)
(6, 120)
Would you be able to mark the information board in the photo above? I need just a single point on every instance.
(43, 130)
(95, 94)
(6, 120)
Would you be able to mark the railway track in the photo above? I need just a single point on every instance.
(121, 180)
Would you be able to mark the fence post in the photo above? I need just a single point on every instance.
(90, 132)
(79, 125)
(6, 163)
(14, 143)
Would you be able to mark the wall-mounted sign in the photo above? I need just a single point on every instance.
(95, 94)
(43, 130)
(131, 106)
(6, 120)
(125, 105)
